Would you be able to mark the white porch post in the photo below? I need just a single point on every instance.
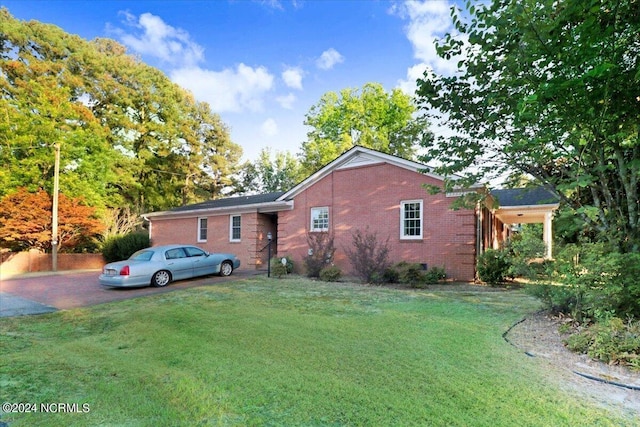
(547, 234)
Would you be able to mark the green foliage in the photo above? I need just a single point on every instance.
(278, 269)
(391, 275)
(117, 248)
(556, 298)
(369, 117)
(322, 250)
(368, 256)
(267, 174)
(527, 250)
(434, 275)
(594, 284)
(549, 90)
(413, 274)
(330, 273)
(604, 283)
(611, 341)
(119, 122)
(493, 266)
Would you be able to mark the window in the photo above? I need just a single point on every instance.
(411, 219)
(175, 253)
(235, 228)
(193, 252)
(320, 219)
(202, 229)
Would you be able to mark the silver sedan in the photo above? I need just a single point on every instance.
(160, 265)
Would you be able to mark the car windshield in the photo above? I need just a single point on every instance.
(142, 255)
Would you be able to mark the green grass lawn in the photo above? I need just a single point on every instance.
(285, 352)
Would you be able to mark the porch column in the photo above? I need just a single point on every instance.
(547, 234)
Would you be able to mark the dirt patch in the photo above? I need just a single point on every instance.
(613, 387)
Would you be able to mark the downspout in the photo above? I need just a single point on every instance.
(479, 238)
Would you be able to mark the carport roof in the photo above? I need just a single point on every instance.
(524, 205)
(534, 196)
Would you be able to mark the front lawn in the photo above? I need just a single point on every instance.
(284, 352)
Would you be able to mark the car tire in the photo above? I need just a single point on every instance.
(226, 268)
(161, 278)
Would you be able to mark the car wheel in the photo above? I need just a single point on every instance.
(226, 268)
(161, 278)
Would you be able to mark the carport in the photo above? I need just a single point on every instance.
(510, 207)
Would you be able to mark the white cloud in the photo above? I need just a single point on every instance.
(159, 40)
(292, 77)
(428, 20)
(269, 128)
(329, 59)
(414, 73)
(229, 90)
(286, 101)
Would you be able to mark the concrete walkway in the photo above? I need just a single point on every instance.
(12, 305)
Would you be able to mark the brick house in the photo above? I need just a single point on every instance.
(361, 189)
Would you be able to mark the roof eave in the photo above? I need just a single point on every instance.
(266, 207)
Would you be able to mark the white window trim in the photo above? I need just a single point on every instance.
(319, 230)
(199, 229)
(403, 203)
(231, 239)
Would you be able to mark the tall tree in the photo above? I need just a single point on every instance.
(550, 89)
(39, 108)
(121, 123)
(369, 117)
(269, 173)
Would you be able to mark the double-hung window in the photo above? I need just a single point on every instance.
(202, 229)
(235, 228)
(411, 219)
(320, 219)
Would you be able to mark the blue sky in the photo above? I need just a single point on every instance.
(261, 65)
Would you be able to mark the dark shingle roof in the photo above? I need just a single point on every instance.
(525, 196)
(231, 202)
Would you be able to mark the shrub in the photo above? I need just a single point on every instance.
(493, 266)
(411, 274)
(611, 341)
(121, 247)
(321, 253)
(556, 298)
(330, 274)
(435, 275)
(369, 257)
(278, 268)
(525, 249)
(596, 284)
(390, 275)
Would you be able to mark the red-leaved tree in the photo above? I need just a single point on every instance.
(25, 221)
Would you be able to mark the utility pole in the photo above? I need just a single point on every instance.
(54, 225)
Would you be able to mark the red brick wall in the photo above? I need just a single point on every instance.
(370, 196)
(34, 261)
(254, 228)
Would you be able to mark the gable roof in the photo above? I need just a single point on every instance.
(531, 196)
(359, 156)
(278, 201)
(259, 202)
(231, 201)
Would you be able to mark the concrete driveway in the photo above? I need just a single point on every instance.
(37, 293)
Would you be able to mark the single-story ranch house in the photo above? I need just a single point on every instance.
(362, 189)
